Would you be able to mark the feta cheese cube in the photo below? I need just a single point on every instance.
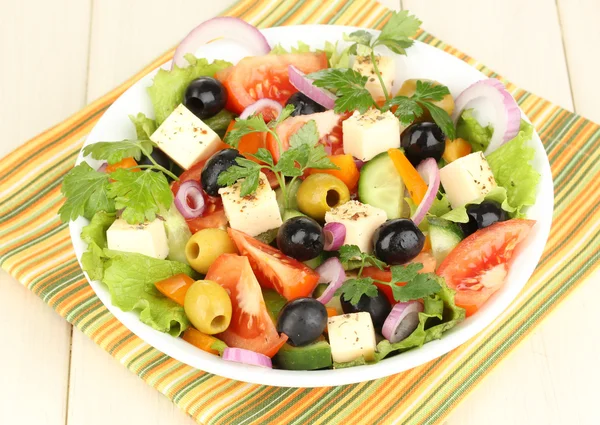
(351, 336)
(252, 214)
(148, 238)
(370, 134)
(387, 68)
(467, 179)
(360, 220)
(185, 138)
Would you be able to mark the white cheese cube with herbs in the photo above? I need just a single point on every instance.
(185, 138)
(148, 238)
(467, 179)
(351, 336)
(255, 213)
(369, 134)
(360, 220)
(387, 68)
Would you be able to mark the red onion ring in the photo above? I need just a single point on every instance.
(430, 172)
(330, 272)
(240, 355)
(335, 234)
(402, 321)
(507, 115)
(261, 105)
(305, 85)
(102, 168)
(190, 190)
(223, 27)
(359, 163)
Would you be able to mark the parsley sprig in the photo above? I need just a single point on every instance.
(140, 195)
(304, 152)
(417, 285)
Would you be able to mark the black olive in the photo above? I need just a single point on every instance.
(423, 140)
(303, 320)
(163, 160)
(301, 238)
(398, 241)
(303, 105)
(378, 307)
(205, 97)
(215, 165)
(482, 216)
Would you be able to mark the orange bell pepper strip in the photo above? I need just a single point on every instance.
(124, 163)
(200, 340)
(456, 149)
(348, 172)
(175, 287)
(250, 143)
(413, 181)
(331, 311)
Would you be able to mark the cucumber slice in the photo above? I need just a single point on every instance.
(444, 235)
(313, 263)
(287, 214)
(381, 186)
(310, 357)
(274, 303)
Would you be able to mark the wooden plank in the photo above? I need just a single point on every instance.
(102, 391)
(518, 39)
(39, 86)
(34, 357)
(581, 36)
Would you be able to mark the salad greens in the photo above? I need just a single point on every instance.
(144, 126)
(178, 233)
(336, 58)
(86, 192)
(167, 91)
(469, 129)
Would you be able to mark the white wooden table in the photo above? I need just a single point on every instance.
(59, 55)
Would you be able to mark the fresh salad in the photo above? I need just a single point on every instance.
(299, 209)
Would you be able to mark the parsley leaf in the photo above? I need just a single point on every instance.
(245, 169)
(264, 155)
(114, 152)
(349, 86)
(308, 134)
(416, 285)
(253, 124)
(140, 194)
(361, 37)
(425, 90)
(353, 289)
(352, 254)
(442, 119)
(407, 109)
(86, 193)
(396, 33)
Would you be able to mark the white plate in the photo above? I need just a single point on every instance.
(424, 62)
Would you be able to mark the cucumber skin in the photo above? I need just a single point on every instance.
(364, 185)
(310, 357)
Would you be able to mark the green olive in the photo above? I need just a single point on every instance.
(208, 307)
(319, 193)
(205, 246)
(410, 86)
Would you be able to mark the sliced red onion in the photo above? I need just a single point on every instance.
(335, 234)
(240, 355)
(223, 27)
(190, 191)
(402, 321)
(505, 114)
(305, 85)
(102, 168)
(430, 172)
(330, 272)
(359, 163)
(261, 105)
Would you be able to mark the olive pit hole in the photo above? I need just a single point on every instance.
(218, 322)
(194, 250)
(332, 198)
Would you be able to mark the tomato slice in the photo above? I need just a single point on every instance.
(259, 77)
(273, 269)
(175, 287)
(425, 258)
(478, 266)
(251, 326)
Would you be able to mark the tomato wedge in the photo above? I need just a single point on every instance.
(259, 77)
(251, 326)
(425, 258)
(273, 269)
(478, 266)
(328, 123)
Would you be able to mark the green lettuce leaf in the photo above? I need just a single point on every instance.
(130, 279)
(511, 166)
(144, 126)
(337, 58)
(440, 205)
(167, 91)
(178, 234)
(94, 234)
(469, 129)
(440, 313)
(278, 49)
(498, 194)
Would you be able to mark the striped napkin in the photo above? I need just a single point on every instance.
(35, 248)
